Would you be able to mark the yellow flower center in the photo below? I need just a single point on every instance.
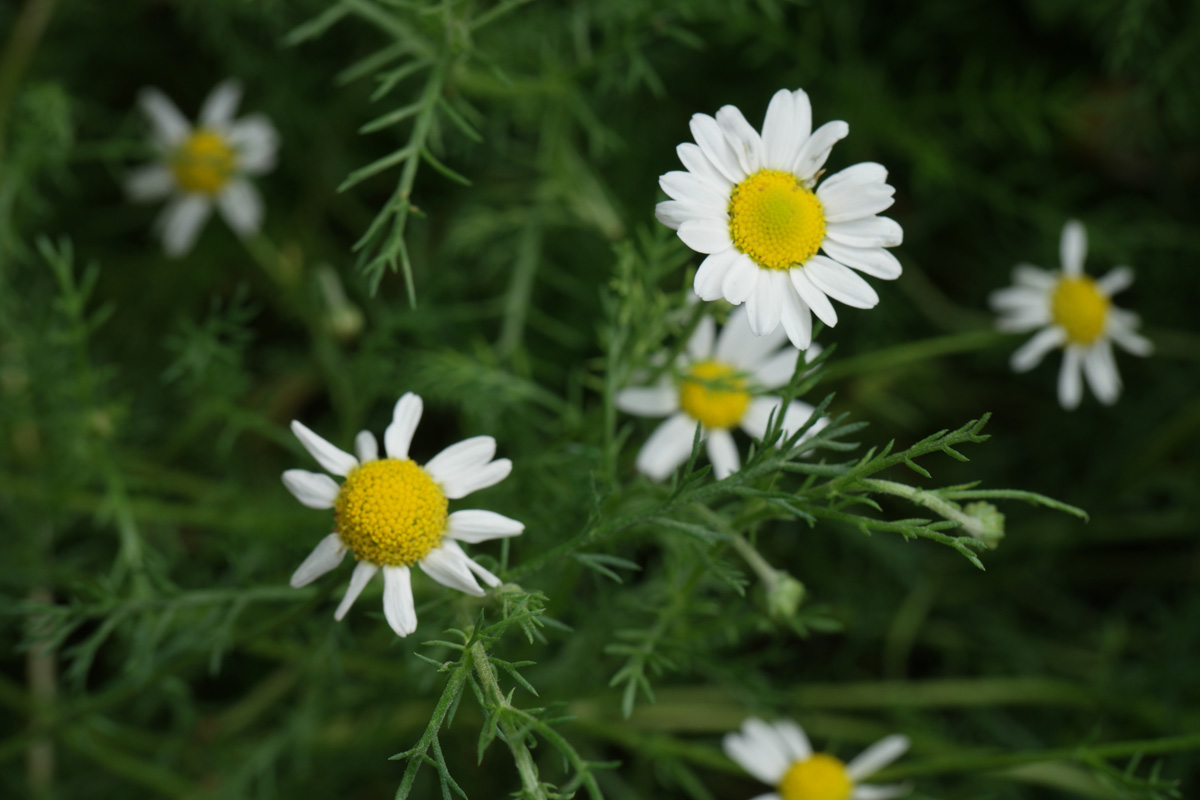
(713, 395)
(819, 777)
(204, 163)
(1080, 308)
(390, 512)
(775, 220)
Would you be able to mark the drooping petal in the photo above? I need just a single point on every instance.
(722, 452)
(406, 415)
(333, 460)
(1072, 248)
(739, 346)
(256, 142)
(324, 557)
(181, 222)
(765, 303)
(1070, 382)
(475, 526)
(242, 207)
(311, 488)
(218, 110)
(1030, 354)
(152, 182)
(743, 140)
(708, 136)
(816, 148)
(398, 606)
(700, 343)
(363, 572)
(868, 232)
(841, 283)
(170, 126)
(706, 235)
(873, 261)
(877, 756)
(648, 401)
(813, 297)
(667, 448)
(366, 447)
(1100, 369)
(712, 272)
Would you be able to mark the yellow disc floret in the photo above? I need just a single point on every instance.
(819, 777)
(713, 395)
(390, 512)
(204, 163)
(1080, 308)
(775, 219)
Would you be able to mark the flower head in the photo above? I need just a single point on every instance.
(717, 383)
(202, 165)
(779, 754)
(752, 204)
(393, 513)
(1074, 312)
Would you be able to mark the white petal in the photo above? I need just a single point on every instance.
(325, 556)
(1017, 298)
(170, 126)
(877, 756)
(152, 182)
(1025, 319)
(1120, 328)
(863, 174)
(1100, 369)
(801, 117)
(815, 149)
(218, 110)
(778, 136)
(841, 283)
(449, 569)
(1115, 281)
(475, 526)
(765, 304)
(698, 164)
(874, 261)
(767, 741)
(1033, 277)
(481, 573)
(1030, 354)
(712, 272)
(674, 213)
(743, 140)
(740, 281)
(700, 343)
(685, 187)
(795, 740)
(1070, 382)
(707, 134)
(868, 232)
(241, 206)
(868, 792)
(399, 434)
(366, 447)
(764, 765)
(797, 319)
(182, 221)
(706, 235)
(847, 201)
(1072, 248)
(256, 141)
(778, 370)
(363, 572)
(795, 416)
(667, 448)
(722, 452)
(648, 401)
(474, 479)
(739, 346)
(311, 488)
(332, 459)
(813, 297)
(398, 605)
(767, 796)
(457, 458)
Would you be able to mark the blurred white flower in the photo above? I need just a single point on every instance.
(203, 165)
(716, 384)
(751, 202)
(392, 513)
(1074, 312)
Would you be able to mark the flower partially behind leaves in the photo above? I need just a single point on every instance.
(1075, 312)
(393, 514)
(718, 382)
(752, 204)
(204, 165)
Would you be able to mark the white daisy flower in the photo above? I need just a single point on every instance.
(1075, 312)
(752, 204)
(715, 384)
(392, 513)
(779, 754)
(203, 165)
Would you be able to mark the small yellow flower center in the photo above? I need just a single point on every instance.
(775, 220)
(390, 512)
(819, 777)
(204, 163)
(713, 395)
(1079, 307)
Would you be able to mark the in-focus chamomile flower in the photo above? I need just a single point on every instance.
(1074, 312)
(202, 165)
(716, 383)
(392, 513)
(779, 754)
(751, 203)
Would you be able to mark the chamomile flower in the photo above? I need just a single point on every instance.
(779, 754)
(393, 514)
(1075, 312)
(716, 384)
(202, 165)
(752, 204)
